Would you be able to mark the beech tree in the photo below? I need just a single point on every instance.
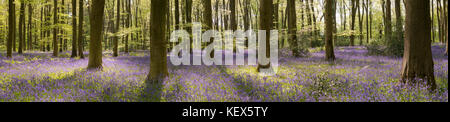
(74, 29)
(11, 28)
(265, 23)
(96, 23)
(55, 28)
(158, 45)
(80, 29)
(417, 59)
(329, 51)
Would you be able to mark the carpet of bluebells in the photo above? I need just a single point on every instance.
(353, 77)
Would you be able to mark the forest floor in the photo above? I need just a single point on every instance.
(353, 77)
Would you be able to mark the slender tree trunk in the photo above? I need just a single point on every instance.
(399, 25)
(158, 47)
(177, 15)
(11, 28)
(329, 31)
(21, 26)
(292, 29)
(117, 29)
(233, 14)
(266, 21)
(80, 29)
(367, 21)
(30, 33)
(360, 22)
(55, 29)
(417, 60)
(188, 18)
(354, 8)
(96, 23)
(388, 33)
(14, 24)
(74, 29)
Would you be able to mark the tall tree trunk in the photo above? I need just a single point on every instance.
(14, 24)
(21, 26)
(388, 26)
(74, 29)
(309, 18)
(329, 31)
(55, 29)
(314, 19)
(80, 29)
(354, 8)
(188, 13)
(117, 29)
(158, 47)
(96, 23)
(360, 22)
(233, 14)
(417, 59)
(207, 19)
(399, 20)
(30, 33)
(266, 21)
(432, 21)
(292, 29)
(367, 21)
(177, 15)
(127, 23)
(11, 28)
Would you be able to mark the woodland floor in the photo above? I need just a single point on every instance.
(354, 77)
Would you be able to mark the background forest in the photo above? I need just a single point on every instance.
(330, 50)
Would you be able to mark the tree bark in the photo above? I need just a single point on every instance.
(354, 8)
(292, 28)
(158, 47)
(117, 28)
(417, 60)
(96, 23)
(80, 29)
(30, 27)
(399, 20)
(266, 21)
(388, 26)
(329, 31)
(74, 29)
(55, 29)
(233, 14)
(21, 26)
(11, 28)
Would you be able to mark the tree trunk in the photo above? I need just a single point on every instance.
(233, 14)
(417, 60)
(74, 29)
(21, 26)
(177, 15)
(292, 28)
(388, 26)
(399, 20)
(80, 29)
(117, 28)
(266, 21)
(188, 19)
(55, 29)
(158, 47)
(329, 31)
(360, 22)
(30, 33)
(96, 23)
(11, 28)
(354, 8)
